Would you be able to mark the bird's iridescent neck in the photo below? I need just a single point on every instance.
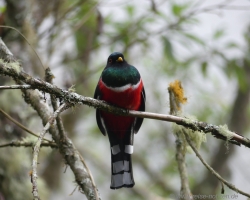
(120, 76)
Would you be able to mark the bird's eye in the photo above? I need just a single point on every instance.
(110, 60)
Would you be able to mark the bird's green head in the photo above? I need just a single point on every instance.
(118, 72)
(115, 58)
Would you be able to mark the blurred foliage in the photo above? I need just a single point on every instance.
(74, 38)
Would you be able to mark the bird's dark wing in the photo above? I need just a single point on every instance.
(142, 108)
(97, 92)
(99, 120)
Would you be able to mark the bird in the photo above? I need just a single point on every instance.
(120, 85)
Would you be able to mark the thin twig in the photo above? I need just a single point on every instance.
(15, 87)
(28, 144)
(65, 145)
(79, 168)
(175, 108)
(91, 177)
(83, 20)
(22, 126)
(236, 7)
(74, 98)
(37, 149)
(231, 186)
(67, 149)
(49, 78)
(33, 49)
(191, 14)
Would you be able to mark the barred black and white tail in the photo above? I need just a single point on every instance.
(122, 172)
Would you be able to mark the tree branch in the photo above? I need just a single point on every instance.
(9, 67)
(14, 70)
(15, 87)
(37, 149)
(20, 125)
(175, 108)
(28, 144)
(231, 186)
(49, 78)
(65, 145)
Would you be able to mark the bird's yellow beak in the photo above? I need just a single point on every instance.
(119, 59)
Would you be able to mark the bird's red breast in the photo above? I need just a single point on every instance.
(128, 97)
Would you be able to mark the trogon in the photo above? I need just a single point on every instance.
(120, 85)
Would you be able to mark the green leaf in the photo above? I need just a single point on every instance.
(195, 39)
(190, 60)
(177, 9)
(168, 49)
(204, 68)
(230, 68)
(2, 9)
(242, 79)
(232, 45)
(130, 10)
(219, 33)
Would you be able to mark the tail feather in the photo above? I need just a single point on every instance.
(122, 172)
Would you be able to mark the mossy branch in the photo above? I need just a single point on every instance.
(20, 143)
(231, 186)
(37, 149)
(10, 67)
(16, 72)
(65, 145)
(176, 98)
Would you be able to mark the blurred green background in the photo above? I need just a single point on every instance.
(204, 44)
